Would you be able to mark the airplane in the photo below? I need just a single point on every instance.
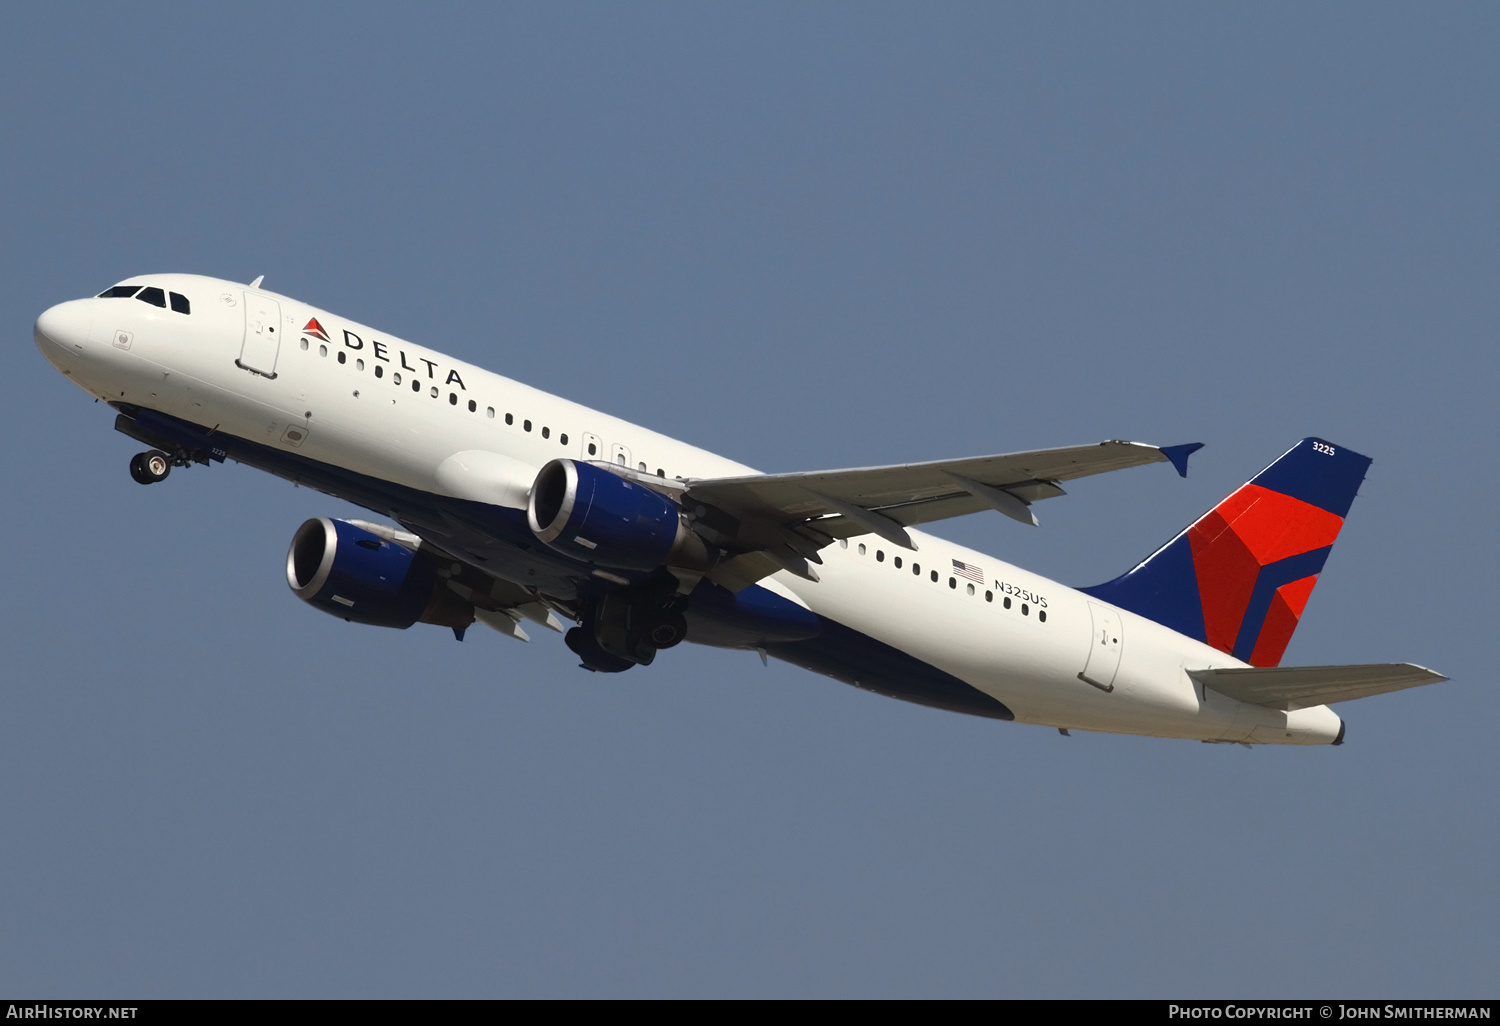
(517, 507)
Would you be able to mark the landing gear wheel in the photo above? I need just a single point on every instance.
(667, 630)
(150, 467)
(581, 640)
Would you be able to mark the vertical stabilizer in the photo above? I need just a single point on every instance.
(1239, 577)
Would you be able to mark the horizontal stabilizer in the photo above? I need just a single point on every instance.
(1301, 687)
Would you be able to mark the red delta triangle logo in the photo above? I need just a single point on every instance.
(1253, 533)
(315, 329)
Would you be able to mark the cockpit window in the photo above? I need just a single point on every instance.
(153, 295)
(180, 303)
(119, 292)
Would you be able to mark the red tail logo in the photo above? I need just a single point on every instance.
(315, 329)
(1240, 576)
(1253, 529)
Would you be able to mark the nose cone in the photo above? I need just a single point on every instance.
(64, 329)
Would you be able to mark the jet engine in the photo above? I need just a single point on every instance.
(356, 575)
(587, 512)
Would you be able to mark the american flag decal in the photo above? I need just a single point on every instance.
(968, 570)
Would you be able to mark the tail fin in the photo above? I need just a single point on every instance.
(1240, 576)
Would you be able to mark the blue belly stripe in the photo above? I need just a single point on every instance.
(499, 538)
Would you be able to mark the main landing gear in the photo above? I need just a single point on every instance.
(154, 465)
(626, 628)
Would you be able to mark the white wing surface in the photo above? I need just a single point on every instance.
(780, 521)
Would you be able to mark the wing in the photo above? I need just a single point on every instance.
(780, 521)
(1300, 687)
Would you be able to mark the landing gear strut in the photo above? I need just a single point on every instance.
(151, 466)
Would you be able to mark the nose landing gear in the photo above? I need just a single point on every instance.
(154, 465)
(150, 467)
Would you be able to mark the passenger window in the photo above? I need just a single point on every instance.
(379, 371)
(322, 350)
(180, 303)
(880, 555)
(916, 568)
(843, 543)
(489, 411)
(563, 439)
(593, 449)
(660, 472)
(473, 406)
(1006, 603)
(971, 589)
(509, 419)
(546, 432)
(359, 365)
(342, 357)
(1025, 609)
(641, 467)
(953, 582)
(989, 596)
(416, 385)
(153, 295)
(525, 425)
(897, 561)
(433, 391)
(119, 292)
(452, 398)
(304, 345)
(395, 377)
(1041, 614)
(861, 548)
(934, 577)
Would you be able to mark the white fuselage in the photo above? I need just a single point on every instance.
(1018, 637)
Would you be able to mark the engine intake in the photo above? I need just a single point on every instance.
(355, 575)
(587, 512)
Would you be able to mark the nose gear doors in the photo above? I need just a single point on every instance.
(262, 339)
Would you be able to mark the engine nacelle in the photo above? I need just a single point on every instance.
(601, 518)
(355, 575)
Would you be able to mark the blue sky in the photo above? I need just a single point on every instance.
(805, 237)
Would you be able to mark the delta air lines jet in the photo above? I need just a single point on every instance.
(518, 507)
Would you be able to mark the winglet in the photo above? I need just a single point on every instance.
(258, 279)
(1179, 454)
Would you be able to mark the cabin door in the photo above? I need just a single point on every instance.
(262, 336)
